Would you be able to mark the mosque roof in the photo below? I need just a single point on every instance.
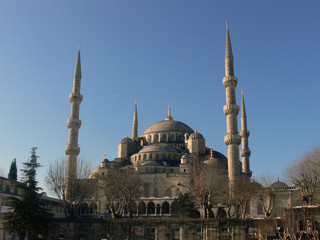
(160, 147)
(278, 184)
(169, 125)
(196, 135)
(126, 140)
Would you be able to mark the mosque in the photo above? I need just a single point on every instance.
(164, 153)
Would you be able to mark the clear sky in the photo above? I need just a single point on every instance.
(160, 52)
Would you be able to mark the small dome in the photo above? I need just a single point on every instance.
(105, 160)
(161, 147)
(169, 125)
(256, 185)
(279, 184)
(195, 135)
(126, 140)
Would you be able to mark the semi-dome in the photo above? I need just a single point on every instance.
(161, 147)
(169, 125)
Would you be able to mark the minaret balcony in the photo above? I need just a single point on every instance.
(231, 109)
(74, 123)
(230, 81)
(72, 150)
(232, 139)
(75, 97)
(245, 153)
(245, 133)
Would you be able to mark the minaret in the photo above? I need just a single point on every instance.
(72, 150)
(245, 152)
(135, 123)
(231, 110)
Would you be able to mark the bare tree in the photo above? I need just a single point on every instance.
(120, 187)
(305, 174)
(267, 194)
(242, 192)
(203, 183)
(80, 189)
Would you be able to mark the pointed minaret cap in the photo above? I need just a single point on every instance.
(105, 156)
(169, 113)
(127, 136)
(243, 110)
(229, 53)
(77, 70)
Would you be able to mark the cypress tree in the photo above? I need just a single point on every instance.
(29, 217)
(13, 171)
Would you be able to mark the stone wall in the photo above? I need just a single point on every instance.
(155, 229)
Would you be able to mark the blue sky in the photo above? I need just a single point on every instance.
(160, 52)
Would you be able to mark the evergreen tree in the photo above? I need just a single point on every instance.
(13, 171)
(29, 218)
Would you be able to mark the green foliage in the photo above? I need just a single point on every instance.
(29, 217)
(13, 171)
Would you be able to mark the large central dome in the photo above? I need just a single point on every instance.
(169, 125)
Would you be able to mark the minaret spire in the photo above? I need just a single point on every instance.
(231, 110)
(74, 123)
(245, 152)
(135, 122)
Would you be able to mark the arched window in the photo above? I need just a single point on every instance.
(158, 208)
(156, 138)
(151, 208)
(139, 157)
(144, 156)
(150, 156)
(142, 208)
(165, 208)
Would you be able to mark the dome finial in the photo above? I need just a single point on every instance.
(104, 156)
(127, 136)
(211, 152)
(196, 130)
(169, 113)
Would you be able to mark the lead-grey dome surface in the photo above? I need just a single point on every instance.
(161, 147)
(169, 126)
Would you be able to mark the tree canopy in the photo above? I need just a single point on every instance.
(13, 175)
(29, 217)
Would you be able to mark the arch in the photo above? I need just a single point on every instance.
(194, 214)
(144, 156)
(165, 208)
(211, 214)
(139, 157)
(222, 213)
(150, 156)
(158, 209)
(151, 208)
(149, 138)
(142, 208)
(132, 207)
